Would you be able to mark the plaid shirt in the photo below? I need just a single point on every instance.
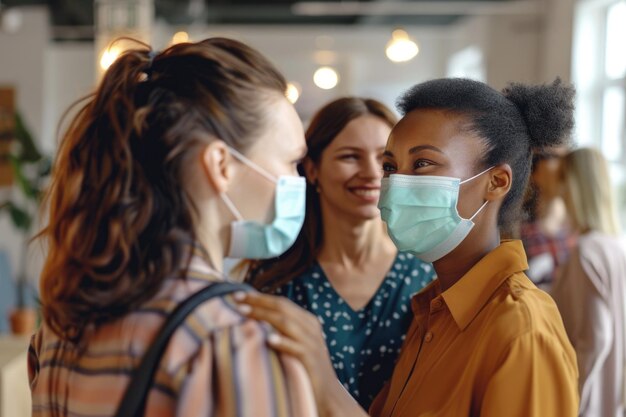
(558, 246)
(218, 363)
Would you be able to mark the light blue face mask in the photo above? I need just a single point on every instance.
(253, 240)
(421, 214)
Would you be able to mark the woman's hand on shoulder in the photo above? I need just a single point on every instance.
(299, 333)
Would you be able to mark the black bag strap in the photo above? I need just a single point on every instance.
(134, 401)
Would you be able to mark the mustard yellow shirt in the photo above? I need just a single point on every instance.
(492, 345)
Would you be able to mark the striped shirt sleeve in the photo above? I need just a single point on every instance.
(217, 363)
(236, 374)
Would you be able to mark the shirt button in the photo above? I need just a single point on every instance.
(437, 304)
(428, 337)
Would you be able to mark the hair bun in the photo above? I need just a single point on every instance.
(547, 110)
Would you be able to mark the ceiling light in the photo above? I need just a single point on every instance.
(417, 8)
(326, 78)
(293, 92)
(180, 37)
(401, 48)
(108, 57)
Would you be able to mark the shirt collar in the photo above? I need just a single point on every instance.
(421, 301)
(468, 296)
(199, 265)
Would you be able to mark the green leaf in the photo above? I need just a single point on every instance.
(21, 218)
(29, 151)
(24, 183)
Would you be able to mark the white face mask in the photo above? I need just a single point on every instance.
(421, 214)
(253, 240)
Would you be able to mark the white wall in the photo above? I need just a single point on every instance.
(69, 75)
(22, 67)
(531, 48)
(556, 45)
(22, 63)
(359, 56)
(48, 77)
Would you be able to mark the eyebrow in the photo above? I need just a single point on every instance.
(416, 149)
(353, 148)
(424, 147)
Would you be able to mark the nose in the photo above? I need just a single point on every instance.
(372, 167)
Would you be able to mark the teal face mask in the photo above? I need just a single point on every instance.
(421, 214)
(253, 240)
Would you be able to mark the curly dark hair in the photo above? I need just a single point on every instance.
(514, 124)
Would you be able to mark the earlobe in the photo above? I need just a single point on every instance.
(500, 182)
(215, 160)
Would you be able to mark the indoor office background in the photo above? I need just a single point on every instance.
(53, 52)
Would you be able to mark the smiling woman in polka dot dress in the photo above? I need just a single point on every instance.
(344, 268)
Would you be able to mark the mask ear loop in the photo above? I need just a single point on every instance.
(231, 207)
(248, 162)
(476, 176)
(479, 210)
(486, 202)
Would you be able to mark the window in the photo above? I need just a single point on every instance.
(599, 73)
(599, 70)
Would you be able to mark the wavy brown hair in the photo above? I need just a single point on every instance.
(328, 122)
(120, 217)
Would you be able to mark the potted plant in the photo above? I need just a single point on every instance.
(30, 169)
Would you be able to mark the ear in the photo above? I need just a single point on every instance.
(215, 160)
(500, 181)
(310, 170)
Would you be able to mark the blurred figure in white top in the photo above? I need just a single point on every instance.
(591, 290)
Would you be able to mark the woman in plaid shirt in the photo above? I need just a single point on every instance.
(157, 168)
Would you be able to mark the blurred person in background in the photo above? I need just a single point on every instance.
(547, 235)
(590, 292)
(344, 268)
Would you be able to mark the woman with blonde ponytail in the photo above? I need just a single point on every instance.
(177, 160)
(591, 289)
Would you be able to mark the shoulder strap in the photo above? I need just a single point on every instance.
(134, 400)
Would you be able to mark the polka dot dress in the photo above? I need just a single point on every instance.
(363, 344)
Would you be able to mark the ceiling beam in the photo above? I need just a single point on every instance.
(430, 8)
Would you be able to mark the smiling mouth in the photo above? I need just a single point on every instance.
(366, 192)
